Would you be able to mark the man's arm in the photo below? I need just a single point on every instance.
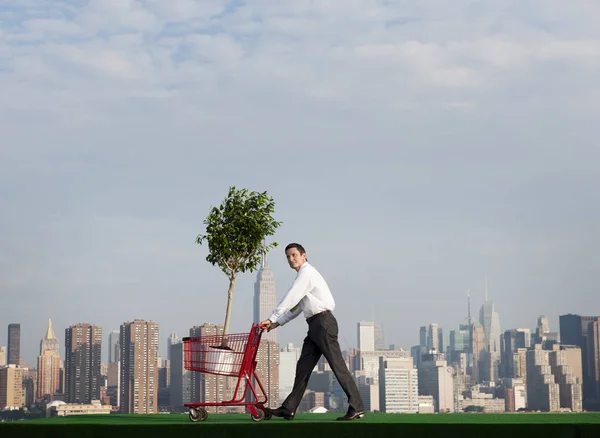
(292, 299)
(289, 315)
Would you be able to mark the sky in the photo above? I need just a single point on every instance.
(411, 146)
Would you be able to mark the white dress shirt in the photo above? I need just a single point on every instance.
(309, 294)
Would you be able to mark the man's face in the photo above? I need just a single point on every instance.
(294, 258)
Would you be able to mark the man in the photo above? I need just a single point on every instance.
(310, 294)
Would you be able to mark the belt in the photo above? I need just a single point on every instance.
(310, 318)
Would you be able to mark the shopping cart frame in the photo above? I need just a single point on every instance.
(245, 374)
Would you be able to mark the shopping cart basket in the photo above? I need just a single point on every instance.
(202, 354)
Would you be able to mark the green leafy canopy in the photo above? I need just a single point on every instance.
(236, 231)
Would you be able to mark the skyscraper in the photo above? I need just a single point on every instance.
(83, 349)
(114, 349)
(171, 340)
(180, 389)
(11, 386)
(477, 348)
(513, 340)
(265, 298)
(288, 358)
(14, 344)
(490, 320)
(139, 367)
(398, 385)
(267, 356)
(379, 338)
(48, 364)
(2, 355)
(366, 336)
(575, 330)
(460, 342)
(543, 393)
(436, 379)
(423, 336)
(267, 368)
(435, 338)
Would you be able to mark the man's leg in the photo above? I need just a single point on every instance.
(329, 345)
(309, 357)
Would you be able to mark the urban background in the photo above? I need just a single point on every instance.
(475, 366)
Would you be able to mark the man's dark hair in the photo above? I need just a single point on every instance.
(299, 247)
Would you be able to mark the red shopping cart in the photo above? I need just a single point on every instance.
(202, 354)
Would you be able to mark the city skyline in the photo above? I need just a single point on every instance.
(348, 338)
(553, 373)
(411, 147)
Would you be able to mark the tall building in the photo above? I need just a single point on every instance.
(570, 394)
(513, 340)
(542, 392)
(460, 342)
(490, 320)
(29, 386)
(575, 330)
(379, 338)
(369, 362)
(267, 368)
(164, 384)
(288, 358)
(593, 348)
(48, 364)
(423, 336)
(83, 349)
(113, 384)
(436, 379)
(478, 350)
(265, 297)
(543, 335)
(2, 355)
(114, 349)
(12, 394)
(267, 356)
(180, 389)
(14, 344)
(139, 367)
(398, 386)
(366, 336)
(171, 340)
(435, 338)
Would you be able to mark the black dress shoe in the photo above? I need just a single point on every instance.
(352, 416)
(283, 413)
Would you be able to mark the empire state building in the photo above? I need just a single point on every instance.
(267, 356)
(265, 299)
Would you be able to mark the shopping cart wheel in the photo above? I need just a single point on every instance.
(267, 411)
(259, 417)
(198, 414)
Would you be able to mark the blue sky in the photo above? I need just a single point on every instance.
(411, 146)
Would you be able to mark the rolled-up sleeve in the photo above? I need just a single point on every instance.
(292, 299)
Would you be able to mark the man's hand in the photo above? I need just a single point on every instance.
(269, 325)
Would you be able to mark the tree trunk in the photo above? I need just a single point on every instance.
(228, 313)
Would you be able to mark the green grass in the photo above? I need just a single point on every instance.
(512, 418)
(311, 426)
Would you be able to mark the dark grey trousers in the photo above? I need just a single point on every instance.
(322, 339)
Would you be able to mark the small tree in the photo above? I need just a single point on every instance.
(236, 232)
